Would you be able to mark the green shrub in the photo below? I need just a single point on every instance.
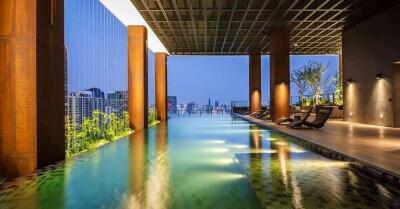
(98, 129)
(152, 117)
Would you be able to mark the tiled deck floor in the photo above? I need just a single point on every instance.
(373, 145)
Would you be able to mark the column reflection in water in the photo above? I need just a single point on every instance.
(281, 173)
(149, 177)
(138, 169)
(255, 139)
(158, 193)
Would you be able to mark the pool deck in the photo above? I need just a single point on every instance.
(374, 146)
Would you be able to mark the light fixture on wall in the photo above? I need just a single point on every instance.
(283, 82)
(379, 76)
(349, 81)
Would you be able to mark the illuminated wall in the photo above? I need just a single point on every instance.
(369, 48)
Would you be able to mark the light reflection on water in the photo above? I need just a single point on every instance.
(199, 162)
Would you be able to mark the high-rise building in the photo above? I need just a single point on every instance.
(172, 104)
(117, 102)
(216, 104)
(191, 106)
(98, 99)
(80, 106)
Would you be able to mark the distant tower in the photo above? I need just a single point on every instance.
(209, 102)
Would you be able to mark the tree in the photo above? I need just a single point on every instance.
(313, 74)
(298, 77)
(125, 118)
(68, 135)
(338, 88)
(96, 124)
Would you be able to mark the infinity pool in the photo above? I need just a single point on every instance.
(199, 162)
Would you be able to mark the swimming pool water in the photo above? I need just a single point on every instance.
(199, 162)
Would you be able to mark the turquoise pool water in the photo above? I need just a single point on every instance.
(199, 162)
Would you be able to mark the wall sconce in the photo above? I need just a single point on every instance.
(283, 82)
(295, 44)
(349, 81)
(379, 76)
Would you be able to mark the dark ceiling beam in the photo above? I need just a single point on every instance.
(241, 23)
(230, 23)
(217, 26)
(169, 23)
(156, 24)
(205, 24)
(193, 24)
(178, 15)
(252, 25)
(266, 22)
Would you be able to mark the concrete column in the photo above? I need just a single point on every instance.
(137, 77)
(50, 82)
(17, 87)
(279, 69)
(161, 85)
(255, 82)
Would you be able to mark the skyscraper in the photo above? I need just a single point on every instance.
(172, 103)
(80, 106)
(117, 102)
(98, 99)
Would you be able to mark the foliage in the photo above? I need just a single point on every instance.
(298, 77)
(314, 71)
(338, 88)
(100, 128)
(152, 117)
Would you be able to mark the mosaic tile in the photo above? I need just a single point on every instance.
(312, 181)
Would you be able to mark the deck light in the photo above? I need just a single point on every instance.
(349, 81)
(379, 76)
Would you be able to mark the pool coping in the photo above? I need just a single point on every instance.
(374, 171)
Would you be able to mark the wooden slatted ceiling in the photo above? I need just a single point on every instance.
(240, 27)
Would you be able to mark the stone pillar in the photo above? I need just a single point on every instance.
(279, 69)
(255, 82)
(137, 77)
(17, 87)
(161, 85)
(50, 65)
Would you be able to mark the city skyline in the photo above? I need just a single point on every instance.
(191, 78)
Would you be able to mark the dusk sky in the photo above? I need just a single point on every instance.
(97, 45)
(225, 78)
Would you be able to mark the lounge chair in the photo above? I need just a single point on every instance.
(255, 113)
(289, 120)
(263, 114)
(321, 117)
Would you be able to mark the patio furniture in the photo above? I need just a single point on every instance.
(322, 115)
(263, 114)
(255, 113)
(296, 118)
